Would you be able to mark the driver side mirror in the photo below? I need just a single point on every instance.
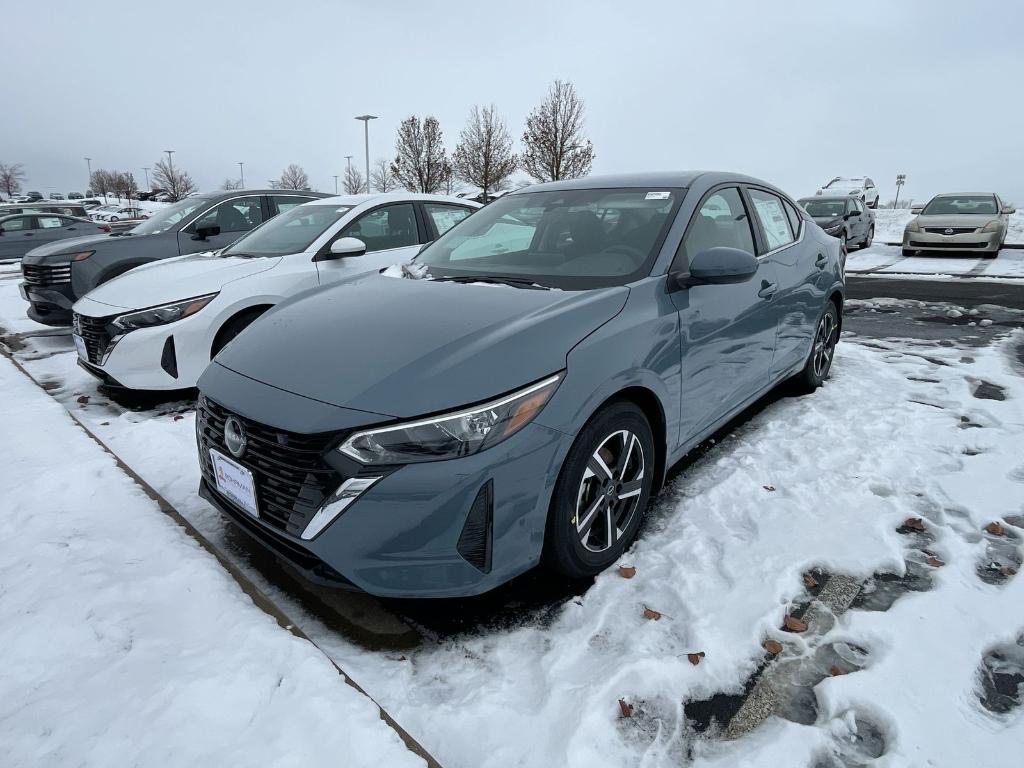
(718, 266)
(211, 230)
(342, 248)
(852, 214)
(1008, 209)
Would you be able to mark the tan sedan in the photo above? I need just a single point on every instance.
(953, 223)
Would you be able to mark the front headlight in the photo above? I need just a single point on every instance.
(914, 226)
(81, 255)
(165, 313)
(993, 226)
(835, 229)
(452, 435)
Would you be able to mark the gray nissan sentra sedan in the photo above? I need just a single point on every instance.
(516, 393)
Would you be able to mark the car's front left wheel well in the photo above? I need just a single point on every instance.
(649, 403)
(234, 325)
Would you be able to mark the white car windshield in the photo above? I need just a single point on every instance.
(291, 232)
(166, 218)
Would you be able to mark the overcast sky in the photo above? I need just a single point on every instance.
(792, 92)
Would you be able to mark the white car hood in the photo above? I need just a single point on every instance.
(181, 277)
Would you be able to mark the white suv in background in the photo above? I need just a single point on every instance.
(858, 186)
(158, 326)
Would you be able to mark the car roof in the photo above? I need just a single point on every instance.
(682, 179)
(383, 197)
(966, 194)
(837, 198)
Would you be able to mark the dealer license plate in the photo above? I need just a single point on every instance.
(235, 482)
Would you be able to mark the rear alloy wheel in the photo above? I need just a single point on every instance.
(601, 493)
(868, 238)
(823, 350)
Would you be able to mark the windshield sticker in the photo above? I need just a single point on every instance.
(657, 196)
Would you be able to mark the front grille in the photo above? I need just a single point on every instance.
(94, 333)
(949, 230)
(943, 246)
(37, 274)
(292, 479)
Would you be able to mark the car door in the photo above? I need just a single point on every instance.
(727, 332)
(49, 227)
(798, 263)
(234, 217)
(392, 234)
(18, 237)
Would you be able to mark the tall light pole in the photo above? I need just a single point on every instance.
(348, 162)
(146, 171)
(335, 183)
(900, 181)
(366, 138)
(88, 164)
(170, 160)
(241, 174)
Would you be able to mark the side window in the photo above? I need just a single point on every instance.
(794, 218)
(49, 222)
(772, 215)
(238, 215)
(287, 202)
(393, 226)
(721, 221)
(18, 224)
(869, 184)
(444, 217)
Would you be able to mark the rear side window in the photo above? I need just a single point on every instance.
(287, 202)
(722, 221)
(49, 222)
(771, 212)
(444, 217)
(238, 215)
(794, 218)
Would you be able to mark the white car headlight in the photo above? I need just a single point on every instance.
(165, 313)
(451, 435)
(914, 226)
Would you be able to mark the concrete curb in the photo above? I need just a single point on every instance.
(261, 601)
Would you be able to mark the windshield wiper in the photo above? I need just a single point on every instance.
(515, 282)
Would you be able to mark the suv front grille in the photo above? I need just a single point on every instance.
(949, 230)
(292, 479)
(56, 274)
(94, 333)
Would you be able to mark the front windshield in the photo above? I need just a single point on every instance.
(843, 183)
(165, 218)
(291, 232)
(824, 209)
(580, 238)
(955, 206)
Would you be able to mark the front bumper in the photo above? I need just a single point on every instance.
(50, 305)
(401, 537)
(979, 242)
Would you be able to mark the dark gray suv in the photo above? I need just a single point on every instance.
(517, 392)
(57, 275)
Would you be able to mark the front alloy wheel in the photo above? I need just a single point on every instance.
(824, 345)
(602, 492)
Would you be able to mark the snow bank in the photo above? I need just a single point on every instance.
(125, 643)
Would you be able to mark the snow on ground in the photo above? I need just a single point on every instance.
(125, 643)
(822, 481)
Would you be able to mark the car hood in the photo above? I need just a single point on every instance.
(44, 253)
(957, 220)
(180, 277)
(827, 221)
(406, 348)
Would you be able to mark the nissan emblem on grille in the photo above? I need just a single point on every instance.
(234, 437)
(949, 231)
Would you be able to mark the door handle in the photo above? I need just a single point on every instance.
(767, 289)
(821, 261)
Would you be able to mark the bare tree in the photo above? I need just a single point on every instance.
(449, 177)
(230, 183)
(12, 175)
(102, 183)
(293, 177)
(554, 146)
(174, 181)
(484, 156)
(123, 184)
(353, 183)
(420, 160)
(381, 177)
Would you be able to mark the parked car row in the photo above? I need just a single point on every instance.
(414, 395)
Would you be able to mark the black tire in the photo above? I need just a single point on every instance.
(823, 348)
(909, 251)
(233, 327)
(868, 238)
(844, 242)
(583, 484)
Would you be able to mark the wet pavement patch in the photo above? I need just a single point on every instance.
(1001, 678)
(859, 745)
(986, 390)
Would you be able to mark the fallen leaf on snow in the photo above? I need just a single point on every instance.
(695, 657)
(768, 487)
(935, 562)
(809, 581)
(774, 647)
(179, 417)
(625, 708)
(994, 528)
(627, 571)
(650, 613)
(83, 399)
(793, 624)
(913, 524)
(835, 671)
(1008, 570)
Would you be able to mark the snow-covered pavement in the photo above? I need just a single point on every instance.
(905, 429)
(125, 643)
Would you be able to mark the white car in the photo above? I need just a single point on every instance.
(158, 326)
(101, 212)
(858, 186)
